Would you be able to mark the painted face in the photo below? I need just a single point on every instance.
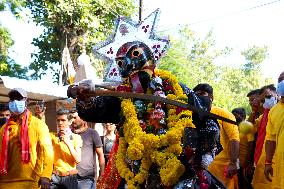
(132, 57)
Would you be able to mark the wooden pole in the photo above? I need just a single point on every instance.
(140, 10)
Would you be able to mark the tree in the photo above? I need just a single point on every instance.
(7, 66)
(13, 5)
(252, 68)
(68, 21)
(192, 60)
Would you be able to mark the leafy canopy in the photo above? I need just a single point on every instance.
(7, 66)
(193, 61)
(72, 21)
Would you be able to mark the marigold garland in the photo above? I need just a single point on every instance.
(138, 145)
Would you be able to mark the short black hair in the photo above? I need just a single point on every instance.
(270, 87)
(64, 112)
(204, 87)
(4, 107)
(239, 111)
(253, 92)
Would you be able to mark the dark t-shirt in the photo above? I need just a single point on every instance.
(91, 141)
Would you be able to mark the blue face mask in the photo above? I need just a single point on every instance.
(280, 88)
(17, 106)
(269, 102)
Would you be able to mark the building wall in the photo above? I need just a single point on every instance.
(50, 115)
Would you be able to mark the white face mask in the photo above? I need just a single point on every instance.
(269, 102)
(17, 106)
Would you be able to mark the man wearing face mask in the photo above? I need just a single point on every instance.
(4, 114)
(268, 98)
(274, 144)
(26, 154)
(226, 163)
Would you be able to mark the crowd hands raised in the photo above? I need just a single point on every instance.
(250, 156)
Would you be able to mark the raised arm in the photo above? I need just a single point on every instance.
(94, 109)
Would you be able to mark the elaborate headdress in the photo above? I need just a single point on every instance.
(127, 30)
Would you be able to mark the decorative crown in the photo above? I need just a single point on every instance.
(127, 30)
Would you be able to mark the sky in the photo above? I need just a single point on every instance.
(238, 24)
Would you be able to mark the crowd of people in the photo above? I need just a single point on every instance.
(33, 157)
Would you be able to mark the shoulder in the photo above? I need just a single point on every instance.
(278, 106)
(53, 135)
(224, 113)
(76, 137)
(221, 111)
(38, 122)
(92, 131)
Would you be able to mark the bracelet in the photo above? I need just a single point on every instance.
(268, 162)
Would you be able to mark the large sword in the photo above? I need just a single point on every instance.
(111, 92)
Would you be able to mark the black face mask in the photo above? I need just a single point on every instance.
(205, 102)
(3, 120)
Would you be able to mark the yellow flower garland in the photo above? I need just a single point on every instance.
(138, 145)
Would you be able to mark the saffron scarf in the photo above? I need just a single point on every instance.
(25, 142)
(261, 136)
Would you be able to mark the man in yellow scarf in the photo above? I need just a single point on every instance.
(274, 140)
(26, 150)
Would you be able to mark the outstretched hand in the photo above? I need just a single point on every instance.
(80, 90)
(231, 170)
(249, 169)
(268, 171)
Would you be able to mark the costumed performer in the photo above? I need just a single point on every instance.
(160, 145)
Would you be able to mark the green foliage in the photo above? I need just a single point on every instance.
(7, 66)
(68, 21)
(254, 57)
(5, 41)
(192, 60)
(13, 5)
(252, 68)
